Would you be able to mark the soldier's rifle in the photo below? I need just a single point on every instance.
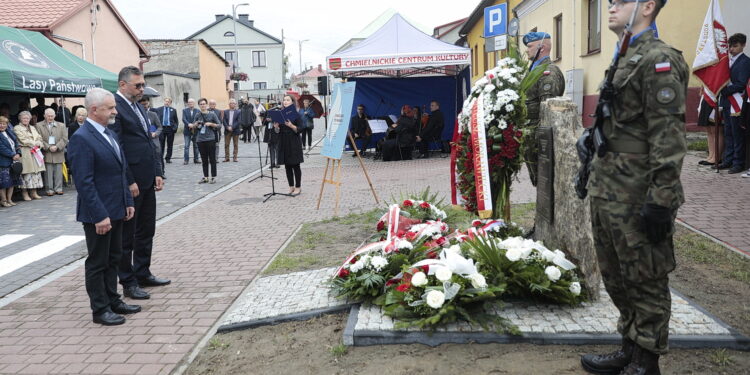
(593, 141)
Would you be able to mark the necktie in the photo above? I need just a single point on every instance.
(140, 117)
(166, 116)
(112, 142)
(231, 117)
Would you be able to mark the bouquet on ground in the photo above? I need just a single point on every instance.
(439, 291)
(528, 269)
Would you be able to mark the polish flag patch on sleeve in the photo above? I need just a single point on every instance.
(663, 67)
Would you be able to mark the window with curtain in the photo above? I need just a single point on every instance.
(259, 58)
(594, 26)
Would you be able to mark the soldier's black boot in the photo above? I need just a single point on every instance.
(610, 363)
(644, 363)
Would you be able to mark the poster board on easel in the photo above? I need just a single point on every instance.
(337, 131)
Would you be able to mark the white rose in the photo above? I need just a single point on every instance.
(478, 281)
(575, 288)
(443, 274)
(419, 279)
(435, 299)
(513, 254)
(553, 273)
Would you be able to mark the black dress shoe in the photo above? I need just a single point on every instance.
(168, 161)
(135, 292)
(109, 318)
(724, 166)
(153, 281)
(124, 308)
(736, 169)
(705, 162)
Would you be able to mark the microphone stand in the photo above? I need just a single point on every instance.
(260, 163)
(273, 187)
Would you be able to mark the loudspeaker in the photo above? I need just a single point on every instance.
(323, 85)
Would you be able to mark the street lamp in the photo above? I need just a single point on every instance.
(236, 52)
(300, 54)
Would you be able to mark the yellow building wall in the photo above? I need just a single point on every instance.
(475, 41)
(213, 77)
(678, 24)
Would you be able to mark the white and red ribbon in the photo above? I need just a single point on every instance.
(481, 163)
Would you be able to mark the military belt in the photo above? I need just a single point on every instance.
(628, 147)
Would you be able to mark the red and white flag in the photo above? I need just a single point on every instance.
(711, 64)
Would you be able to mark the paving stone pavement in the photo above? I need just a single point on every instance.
(599, 317)
(281, 295)
(716, 203)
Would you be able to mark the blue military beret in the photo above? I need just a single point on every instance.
(534, 36)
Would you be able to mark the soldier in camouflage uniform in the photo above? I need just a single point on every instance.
(550, 85)
(635, 190)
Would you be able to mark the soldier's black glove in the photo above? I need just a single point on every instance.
(656, 222)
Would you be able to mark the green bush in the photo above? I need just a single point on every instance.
(701, 145)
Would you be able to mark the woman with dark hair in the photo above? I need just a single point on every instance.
(290, 149)
(10, 151)
(206, 123)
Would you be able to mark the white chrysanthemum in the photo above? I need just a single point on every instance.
(378, 262)
(509, 107)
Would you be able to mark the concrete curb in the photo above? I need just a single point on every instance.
(305, 315)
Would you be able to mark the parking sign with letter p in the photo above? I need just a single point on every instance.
(496, 20)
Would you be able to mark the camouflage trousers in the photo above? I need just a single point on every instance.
(635, 272)
(531, 149)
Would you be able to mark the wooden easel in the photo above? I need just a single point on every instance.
(335, 178)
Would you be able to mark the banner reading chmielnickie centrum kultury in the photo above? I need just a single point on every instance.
(27, 82)
(379, 62)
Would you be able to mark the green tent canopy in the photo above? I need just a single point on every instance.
(31, 63)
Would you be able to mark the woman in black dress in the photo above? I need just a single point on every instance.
(290, 149)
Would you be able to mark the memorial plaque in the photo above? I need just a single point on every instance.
(545, 194)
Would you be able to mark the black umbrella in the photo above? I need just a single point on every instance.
(150, 92)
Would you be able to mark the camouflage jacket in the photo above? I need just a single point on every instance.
(646, 132)
(550, 85)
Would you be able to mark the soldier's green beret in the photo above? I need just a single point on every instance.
(534, 36)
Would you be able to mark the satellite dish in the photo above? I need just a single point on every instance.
(513, 27)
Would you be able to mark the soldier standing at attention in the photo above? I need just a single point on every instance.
(550, 85)
(635, 189)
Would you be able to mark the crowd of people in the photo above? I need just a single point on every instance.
(411, 131)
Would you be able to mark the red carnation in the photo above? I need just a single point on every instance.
(354, 260)
(390, 282)
(343, 273)
(411, 236)
(403, 287)
(425, 268)
(424, 205)
(407, 203)
(431, 255)
(400, 233)
(441, 241)
(492, 76)
(381, 225)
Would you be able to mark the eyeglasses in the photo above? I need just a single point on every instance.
(138, 85)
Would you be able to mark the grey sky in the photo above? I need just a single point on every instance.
(326, 23)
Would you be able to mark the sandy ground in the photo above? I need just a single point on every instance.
(706, 273)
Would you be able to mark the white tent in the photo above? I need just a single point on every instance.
(399, 49)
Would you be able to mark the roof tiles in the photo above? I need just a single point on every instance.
(30, 14)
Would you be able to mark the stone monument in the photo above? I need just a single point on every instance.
(562, 219)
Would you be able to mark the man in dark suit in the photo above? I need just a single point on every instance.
(188, 115)
(144, 176)
(169, 123)
(359, 128)
(734, 134)
(155, 130)
(104, 201)
(431, 132)
(232, 129)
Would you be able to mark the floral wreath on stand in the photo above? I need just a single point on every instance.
(498, 103)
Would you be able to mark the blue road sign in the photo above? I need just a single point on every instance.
(496, 20)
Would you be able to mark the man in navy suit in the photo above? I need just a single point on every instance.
(104, 201)
(188, 117)
(734, 134)
(169, 123)
(232, 130)
(144, 176)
